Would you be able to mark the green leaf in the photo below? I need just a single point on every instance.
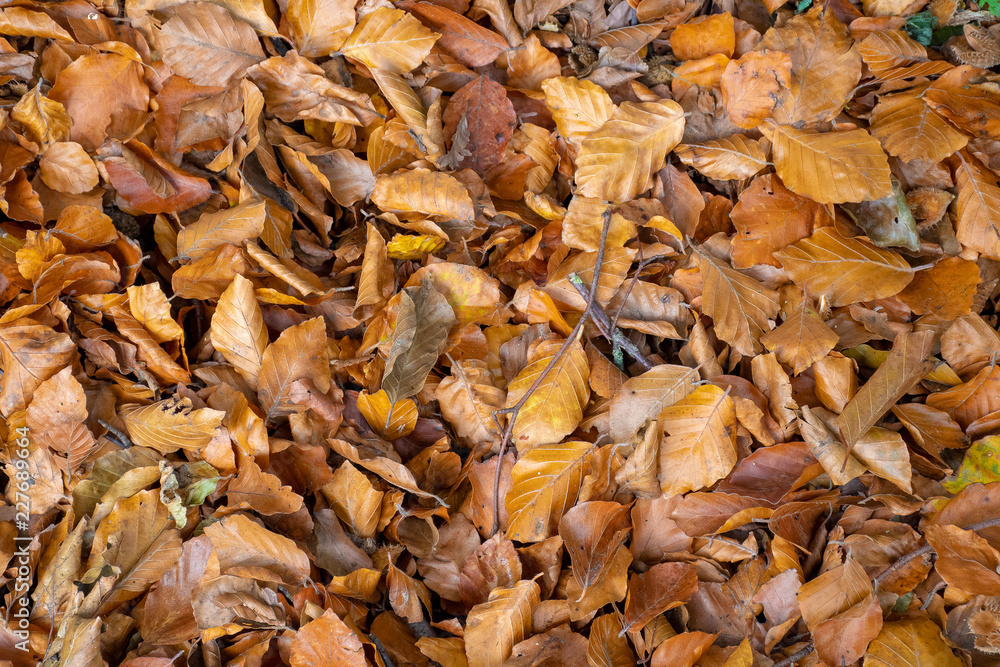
(981, 465)
(921, 27)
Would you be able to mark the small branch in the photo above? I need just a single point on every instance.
(608, 330)
(798, 655)
(513, 411)
(926, 549)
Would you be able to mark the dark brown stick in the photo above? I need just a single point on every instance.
(798, 655)
(513, 411)
(607, 329)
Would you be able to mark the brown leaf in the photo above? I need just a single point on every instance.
(769, 217)
(653, 592)
(31, 353)
(100, 92)
(466, 41)
(801, 340)
(327, 641)
(420, 336)
(206, 44)
(300, 352)
(741, 307)
(488, 115)
(644, 396)
(750, 85)
(825, 68)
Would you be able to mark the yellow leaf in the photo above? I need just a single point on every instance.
(397, 422)
(238, 330)
(391, 40)
(233, 226)
(555, 408)
(906, 364)
(170, 425)
(428, 192)
(914, 642)
(844, 270)
(494, 627)
(699, 443)
(407, 246)
(545, 483)
(150, 307)
(578, 107)
(831, 167)
(377, 279)
(731, 158)
(319, 27)
(44, 120)
(355, 500)
(137, 538)
(617, 162)
(473, 294)
(407, 104)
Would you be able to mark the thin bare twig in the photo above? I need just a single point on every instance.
(926, 549)
(513, 411)
(798, 655)
(607, 329)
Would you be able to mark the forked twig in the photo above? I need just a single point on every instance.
(607, 329)
(513, 411)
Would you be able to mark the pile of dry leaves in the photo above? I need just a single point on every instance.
(552, 332)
